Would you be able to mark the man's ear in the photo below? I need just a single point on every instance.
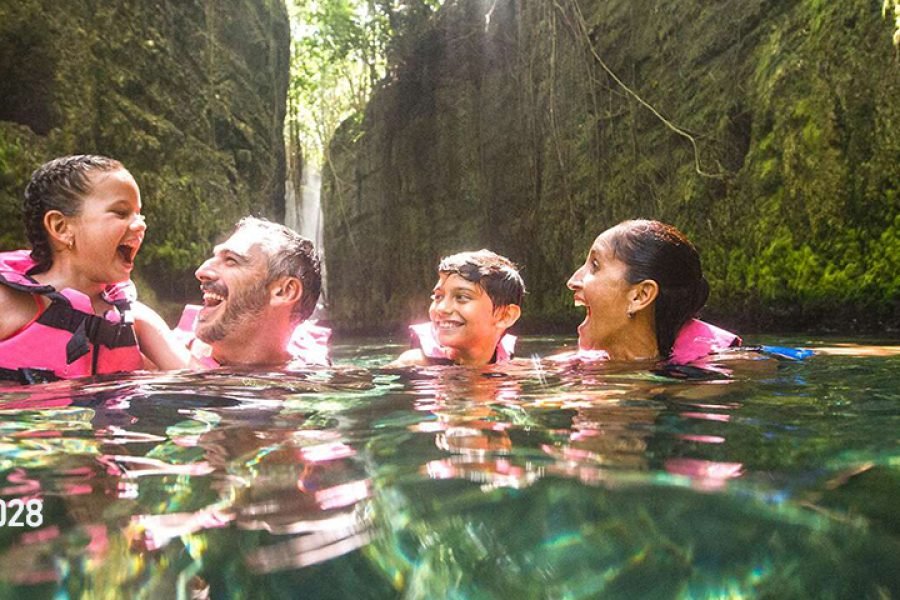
(642, 295)
(286, 290)
(508, 315)
(59, 229)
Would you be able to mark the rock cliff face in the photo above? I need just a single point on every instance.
(188, 94)
(521, 125)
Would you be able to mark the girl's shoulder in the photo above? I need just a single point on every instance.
(17, 308)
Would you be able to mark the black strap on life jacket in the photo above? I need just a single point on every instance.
(28, 288)
(86, 329)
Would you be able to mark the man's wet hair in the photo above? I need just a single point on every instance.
(60, 184)
(496, 274)
(290, 255)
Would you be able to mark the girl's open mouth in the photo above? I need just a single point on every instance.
(127, 253)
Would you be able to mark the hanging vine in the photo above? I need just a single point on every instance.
(583, 31)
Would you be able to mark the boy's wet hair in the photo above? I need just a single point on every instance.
(290, 255)
(60, 184)
(498, 275)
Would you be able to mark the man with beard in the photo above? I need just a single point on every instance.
(259, 288)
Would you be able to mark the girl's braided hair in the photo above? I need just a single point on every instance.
(60, 184)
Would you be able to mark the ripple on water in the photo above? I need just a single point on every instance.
(538, 480)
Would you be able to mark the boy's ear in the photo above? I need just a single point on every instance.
(286, 290)
(58, 228)
(508, 315)
(643, 294)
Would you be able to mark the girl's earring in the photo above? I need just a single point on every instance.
(71, 244)
(630, 314)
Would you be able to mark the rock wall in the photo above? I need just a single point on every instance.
(521, 125)
(188, 94)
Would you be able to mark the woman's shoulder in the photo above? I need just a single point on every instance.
(579, 355)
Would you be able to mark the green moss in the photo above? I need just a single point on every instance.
(515, 138)
(189, 96)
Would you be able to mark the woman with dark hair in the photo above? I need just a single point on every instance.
(642, 285)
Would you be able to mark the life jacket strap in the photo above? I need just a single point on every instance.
(86, 329)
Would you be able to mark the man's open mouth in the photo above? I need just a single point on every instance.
(211, 299)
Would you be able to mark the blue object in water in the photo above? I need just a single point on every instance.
(785, 352)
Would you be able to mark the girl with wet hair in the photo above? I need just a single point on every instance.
(68, 306)
(643, 286)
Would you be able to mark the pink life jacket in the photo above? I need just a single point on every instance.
(308, 344)
(695, 340)
(67, 339)
(423, 338)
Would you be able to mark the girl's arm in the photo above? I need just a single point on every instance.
(156, 340)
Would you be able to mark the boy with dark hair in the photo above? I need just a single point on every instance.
(478, 297)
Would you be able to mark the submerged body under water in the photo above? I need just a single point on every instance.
(773, 479)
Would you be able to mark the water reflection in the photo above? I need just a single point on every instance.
(304, 485)
(568, 480)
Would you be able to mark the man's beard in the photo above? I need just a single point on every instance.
(242, 307)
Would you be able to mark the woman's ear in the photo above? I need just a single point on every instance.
(508, 315)
(643, 294)
(59, 229)
(286, 290)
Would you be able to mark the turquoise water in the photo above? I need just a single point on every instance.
(767, 479)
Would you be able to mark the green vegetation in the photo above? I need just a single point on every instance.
(339, 55)
(189, 96)
(767, 131)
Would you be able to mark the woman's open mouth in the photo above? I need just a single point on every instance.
(587, 313)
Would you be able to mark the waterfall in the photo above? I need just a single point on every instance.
(310, 208)
(305, 216)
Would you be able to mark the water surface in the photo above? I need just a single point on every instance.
(763, 479)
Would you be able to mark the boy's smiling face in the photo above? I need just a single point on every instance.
(463, 316)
